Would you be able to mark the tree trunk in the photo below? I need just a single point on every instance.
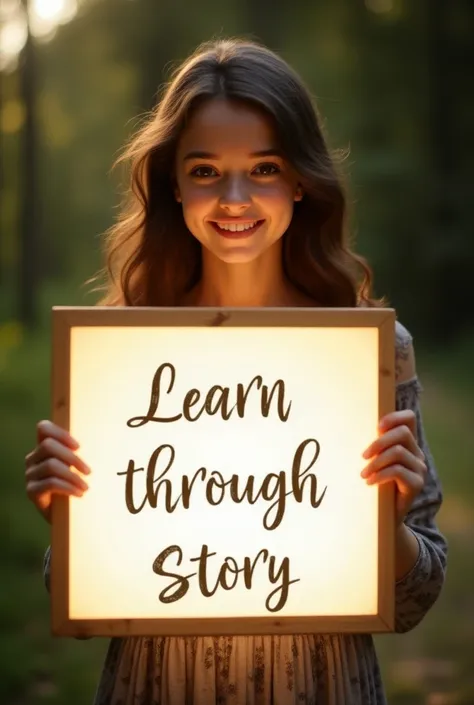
(28, 266)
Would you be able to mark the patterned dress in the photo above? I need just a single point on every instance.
(336, 669)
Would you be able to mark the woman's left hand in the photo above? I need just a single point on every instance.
(396, 456)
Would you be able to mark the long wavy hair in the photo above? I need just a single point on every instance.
(151, 257)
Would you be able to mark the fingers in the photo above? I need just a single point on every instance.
(404, 417)
(401, 434)
(52, 484)
(408, 486)
(49, 467)
(46, 475)
(400, 463)
(397, 455)
(408, 483)
(48, 429)
(52, 448)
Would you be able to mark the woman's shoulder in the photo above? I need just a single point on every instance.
(403, 337)
(405, 364)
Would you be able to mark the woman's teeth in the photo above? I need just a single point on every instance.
(237, 228)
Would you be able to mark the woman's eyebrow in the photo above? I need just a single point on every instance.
(199, 154)
(272, 152)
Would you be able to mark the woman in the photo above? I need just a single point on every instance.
(234, 201)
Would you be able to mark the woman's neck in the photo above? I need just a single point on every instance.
(260, 283)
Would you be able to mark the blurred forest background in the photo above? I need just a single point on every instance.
(393, 80)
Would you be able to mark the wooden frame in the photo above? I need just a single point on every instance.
(65, 318)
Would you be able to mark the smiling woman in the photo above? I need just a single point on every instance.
(235, 141)
(236, 188)
(242, 150)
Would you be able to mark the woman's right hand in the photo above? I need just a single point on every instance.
(48, 467)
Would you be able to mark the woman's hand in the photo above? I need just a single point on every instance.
(48, 467)
(396, 457)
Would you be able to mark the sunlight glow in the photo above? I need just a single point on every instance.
(45, 17)
(49, 9)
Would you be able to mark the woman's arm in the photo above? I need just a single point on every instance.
(421, 548)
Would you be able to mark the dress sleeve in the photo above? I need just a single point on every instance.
(417, 591)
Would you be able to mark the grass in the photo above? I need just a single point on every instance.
(432, 665)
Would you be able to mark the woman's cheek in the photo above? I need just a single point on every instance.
(280, 194)
(197, 204)
(279, 203)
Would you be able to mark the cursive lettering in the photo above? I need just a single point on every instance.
(273, 486)
(227, 576)
(217, 400)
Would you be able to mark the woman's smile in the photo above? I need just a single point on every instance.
(236, 228)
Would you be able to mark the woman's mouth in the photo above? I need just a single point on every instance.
(236, 230)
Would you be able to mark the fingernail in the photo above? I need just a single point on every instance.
(366, 453)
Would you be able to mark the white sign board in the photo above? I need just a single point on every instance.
(226, 450)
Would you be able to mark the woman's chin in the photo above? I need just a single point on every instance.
(237, 255)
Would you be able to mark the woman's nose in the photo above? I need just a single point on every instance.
(235, 195)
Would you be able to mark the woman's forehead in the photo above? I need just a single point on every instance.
(221, 125)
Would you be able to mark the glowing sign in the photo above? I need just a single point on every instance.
(226, 450)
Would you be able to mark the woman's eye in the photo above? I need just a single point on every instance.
(268, 169)
(203, 172)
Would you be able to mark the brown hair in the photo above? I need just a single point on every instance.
(152, 258)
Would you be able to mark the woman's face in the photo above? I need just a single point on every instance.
(236, 190)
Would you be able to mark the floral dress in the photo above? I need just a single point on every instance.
(320, 669)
